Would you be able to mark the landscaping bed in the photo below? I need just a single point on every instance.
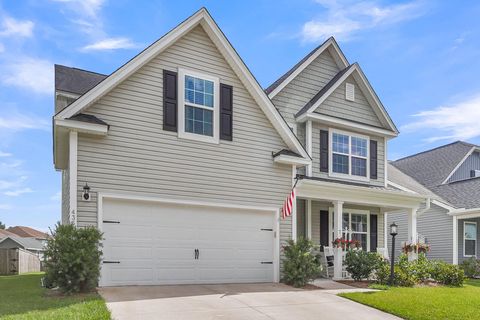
(22, 297)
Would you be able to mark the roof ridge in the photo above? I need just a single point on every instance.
(436, 148)
(83, 70)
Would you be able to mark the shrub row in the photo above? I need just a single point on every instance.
(471, 267)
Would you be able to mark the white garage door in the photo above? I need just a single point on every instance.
(147, 243)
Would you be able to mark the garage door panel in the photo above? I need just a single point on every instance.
(155, 244)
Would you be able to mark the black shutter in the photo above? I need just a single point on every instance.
(226, 112)
(169, 100)
(373, 232)
(323, 150)
(324, 228)
(373, 159)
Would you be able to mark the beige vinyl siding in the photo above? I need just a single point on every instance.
(434, 224)
(316, 127)
(137, 156)
(359, 110)
(318, 206)
(303, 87)
(65, 196)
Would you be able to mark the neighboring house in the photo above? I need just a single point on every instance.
(29, 244)
(27, 232)
(5, 233)
(183, 161)
(450, 176)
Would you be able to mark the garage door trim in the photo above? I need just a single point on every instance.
(274, 211)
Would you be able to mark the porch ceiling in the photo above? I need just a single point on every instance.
(387, 199)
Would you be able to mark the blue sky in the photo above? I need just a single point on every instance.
(420, 56)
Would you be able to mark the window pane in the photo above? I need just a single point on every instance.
(470, 231)
(359, 147)
(199, 121)
(340, 143)
(188, 125)
(362, 238)
(207, 129)
(359, 222)
(208, 86)
(470, 247)
(345, 221)
(199, 99)
(209, 100)
(189, 95)
(359, 167)
(340, 163)
(189, 82)
(199, 84)
(198, 114)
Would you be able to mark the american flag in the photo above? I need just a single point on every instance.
(288, 204)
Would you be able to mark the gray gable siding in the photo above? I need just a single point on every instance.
(139, 157)
(435, 225)
(359, 110)
(303, 87)
(316, 127)
(461, 257)
(463, 172)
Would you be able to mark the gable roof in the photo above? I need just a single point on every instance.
(288, 76)
(203, 18)
(26, 243)
(5, 233)
(397, 178)
(74, 80)
(27, 232)
(430, 168)
(368, 91)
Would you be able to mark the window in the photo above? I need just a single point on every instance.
(198, 106)
(469, 239)
(355, 226)
(349, 155)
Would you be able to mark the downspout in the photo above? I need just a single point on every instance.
(427, 207)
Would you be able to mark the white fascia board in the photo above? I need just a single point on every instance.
(378, 107)
(286, 159)
(201, 17)
(443, 205)
(459, 164)
(80, 126)
(329, 43)
(347, 124)
(466, 213)
(400, 187)
(331, 191)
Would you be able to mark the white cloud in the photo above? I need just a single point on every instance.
(11, 184)
(4, 206)
(110, 44)
(18, 122)
(30, 73)
(5, 154)
(13, 27)
(57, 196)
(89, 8)
(343, 19)
(17, 192)
(452, 122)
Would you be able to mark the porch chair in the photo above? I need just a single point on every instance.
(327, 261)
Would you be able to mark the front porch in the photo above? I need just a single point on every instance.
(327, 210)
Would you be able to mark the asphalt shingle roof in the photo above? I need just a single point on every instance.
(27, 232)
(75, 80)
(87, 118)
(432, 167)
(27, 243)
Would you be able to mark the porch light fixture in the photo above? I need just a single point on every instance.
(86, 192)
(393, 233)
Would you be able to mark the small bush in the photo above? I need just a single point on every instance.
(361, 264)
(471, 267)
(72, 258)
(448, 274)
(300, 265)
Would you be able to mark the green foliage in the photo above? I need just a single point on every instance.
(361, 264)
(72, 258)
(471, 267)
(2, 225)
(377, 286)
(409, 273)
(300, 265)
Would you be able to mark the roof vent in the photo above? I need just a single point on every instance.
(474, 173)
(350, 91)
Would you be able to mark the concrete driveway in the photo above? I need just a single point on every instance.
(233, 301)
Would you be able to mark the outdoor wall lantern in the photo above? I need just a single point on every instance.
(86, 192)
(393, 233)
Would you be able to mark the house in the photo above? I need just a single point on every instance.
(29, 244)
(449, 176)
(183, 161)
(5, 233)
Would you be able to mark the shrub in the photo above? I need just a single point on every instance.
(300, 265)
(471, 267)
(72, 258)
(361, 264)
(382, 272)
(448, 274)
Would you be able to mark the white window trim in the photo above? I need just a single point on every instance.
(181, 107)
(330, 156)
(476, 235)
(349, 212)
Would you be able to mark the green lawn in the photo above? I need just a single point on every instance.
(22, 297)
(426, 303)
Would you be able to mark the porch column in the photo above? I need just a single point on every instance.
(412, 231)
(337, 229)
(294, 207)
(309, 219)
(455, 240)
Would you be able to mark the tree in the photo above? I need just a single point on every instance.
(2, 225)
